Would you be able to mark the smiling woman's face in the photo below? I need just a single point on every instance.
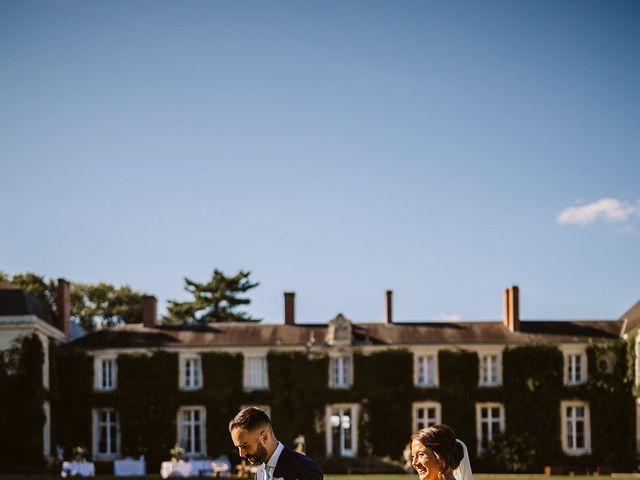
(424, 461)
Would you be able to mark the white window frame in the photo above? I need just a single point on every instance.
(345, 375)
(483, 364)
(256, 378)
(569, 366)
(353, 423)
(102, 382)
(190, 372)
(422, 356)
(586, 449)
(203, 430)
(480, 421)
(113, 420)
(425, 406)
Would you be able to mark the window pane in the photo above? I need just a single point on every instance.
(347, 429)
(485, 435)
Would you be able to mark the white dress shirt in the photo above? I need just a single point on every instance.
(270, 466)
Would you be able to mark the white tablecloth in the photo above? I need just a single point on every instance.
(178, 469)
(84, 469)
(192, 468)
(130, 467)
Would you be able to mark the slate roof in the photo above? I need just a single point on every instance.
(14, 301)
(300, 335)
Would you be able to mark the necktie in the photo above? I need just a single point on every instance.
(268, 472)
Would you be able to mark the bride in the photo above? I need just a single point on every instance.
(436, 454)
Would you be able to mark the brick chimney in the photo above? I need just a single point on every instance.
(511, 317)
(388, 310)
(64, 307)
(149, 310)
(289, 308)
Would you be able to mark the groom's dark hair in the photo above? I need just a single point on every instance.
(249, 419)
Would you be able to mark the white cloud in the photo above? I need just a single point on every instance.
(608, 209)
(445, 317)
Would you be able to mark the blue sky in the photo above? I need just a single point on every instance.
(444, 150)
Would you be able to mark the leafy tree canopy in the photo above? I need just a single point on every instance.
(213, 301)
(93, 306)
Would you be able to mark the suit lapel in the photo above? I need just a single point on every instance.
(281, 466)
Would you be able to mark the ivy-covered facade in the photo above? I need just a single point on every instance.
(521, 395)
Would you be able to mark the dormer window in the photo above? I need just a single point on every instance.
(340, 331)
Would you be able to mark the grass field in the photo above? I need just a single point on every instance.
(485, 476)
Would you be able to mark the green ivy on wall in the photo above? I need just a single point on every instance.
(532, 385)
(71, 376)
(608, 392)
(147, 402)
(383, 382)
(458, 376)
(297, 387)
(21, 404)
(148, 397)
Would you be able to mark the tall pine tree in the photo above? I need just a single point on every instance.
(213, 301)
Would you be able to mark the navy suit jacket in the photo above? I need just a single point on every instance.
(296, 466)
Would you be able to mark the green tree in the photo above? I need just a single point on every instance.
(93, 306)
(213, 301)
(96, 306)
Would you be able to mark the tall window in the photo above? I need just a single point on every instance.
(575, 364)
(340, 375)
(255, 373)
(105, 373)
(425, 414)
(342, 430)
(425, 368)
(576, 435)
(490, 370)
(191, 430)
(105, 433)
(191, 370)
(489, 423)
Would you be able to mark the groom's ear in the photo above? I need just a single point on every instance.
(264, 436)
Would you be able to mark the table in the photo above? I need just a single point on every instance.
(194, 468)
(176, 469)
(84, 469)
(130, 467)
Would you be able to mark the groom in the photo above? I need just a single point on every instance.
(252, 434)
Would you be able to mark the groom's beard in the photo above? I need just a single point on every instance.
(259, 457)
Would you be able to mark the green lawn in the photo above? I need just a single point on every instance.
(485, 476)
